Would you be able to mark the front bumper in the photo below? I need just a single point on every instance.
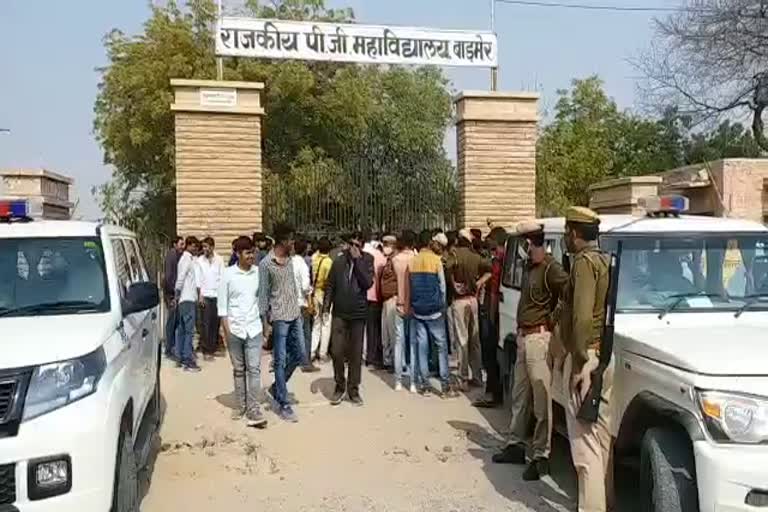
(78, 430)
(726, 474)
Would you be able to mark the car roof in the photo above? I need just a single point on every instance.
(57, 228)
(632, 224)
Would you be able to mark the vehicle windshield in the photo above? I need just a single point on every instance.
(719, 272)
(52, 276)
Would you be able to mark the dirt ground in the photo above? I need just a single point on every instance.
(398, 453)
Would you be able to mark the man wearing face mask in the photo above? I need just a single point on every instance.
(581, 323)
(543, 280)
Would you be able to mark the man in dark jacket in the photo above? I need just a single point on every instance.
(169, 289)
(346, 292)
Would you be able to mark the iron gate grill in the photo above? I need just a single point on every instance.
(375, 191)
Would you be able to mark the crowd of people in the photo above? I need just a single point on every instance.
(406, 303)
(409, 304)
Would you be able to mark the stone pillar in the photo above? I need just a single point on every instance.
(218, 159)
(496, 143)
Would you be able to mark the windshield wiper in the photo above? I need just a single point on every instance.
(755, 297)
(63, 305)
(680, 297)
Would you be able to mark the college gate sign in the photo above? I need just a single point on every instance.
(218, 123)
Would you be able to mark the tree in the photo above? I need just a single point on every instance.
(711, 59)
(322, 119)
(590, 140)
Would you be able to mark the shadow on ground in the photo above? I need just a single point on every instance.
(227, 400)
(551, 494)
(323, 385)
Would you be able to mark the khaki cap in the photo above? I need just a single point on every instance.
(389, 239)
(465, 233)
(581, 215)
(529, 227)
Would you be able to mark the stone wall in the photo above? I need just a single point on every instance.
(496, 143)
(218, 162)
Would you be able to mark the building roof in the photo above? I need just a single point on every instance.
(32, 173)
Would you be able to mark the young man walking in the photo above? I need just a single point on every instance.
(211, 267)
(280, 305)
(427, 296)
(350, 278)
(187, 296)
(321, 324)
(171, 301)
(238, 307)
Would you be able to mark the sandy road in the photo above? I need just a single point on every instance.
(399, 453)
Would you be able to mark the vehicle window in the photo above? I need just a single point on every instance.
(142, 261)
(513, 266)
(121, 266)
(711, 272)
(48, 276)
(137, 272)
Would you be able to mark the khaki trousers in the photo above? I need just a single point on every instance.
(467, 326)
(590, 442)
(532, 391)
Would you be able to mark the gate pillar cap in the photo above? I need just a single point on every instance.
(497, 106)
(217, 96)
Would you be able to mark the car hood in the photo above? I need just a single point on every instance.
(739, 350)
(35, 340)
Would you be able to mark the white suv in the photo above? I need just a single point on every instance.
(690, 393)
(79, 366)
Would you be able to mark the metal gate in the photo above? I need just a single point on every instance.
(374, 191)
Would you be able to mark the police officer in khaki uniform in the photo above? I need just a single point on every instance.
(581, 322)
(542, 284)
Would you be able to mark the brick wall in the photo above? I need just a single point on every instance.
(496, 172)
(218, 175)
(743, 188)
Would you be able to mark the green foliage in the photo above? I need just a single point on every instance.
(591, 140)
(321, 118)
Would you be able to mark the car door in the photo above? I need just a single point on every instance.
(511, 280)
(130, 329)
(145, 322)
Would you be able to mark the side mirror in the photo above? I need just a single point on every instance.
(140, 297)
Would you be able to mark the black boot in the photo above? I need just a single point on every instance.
(536, 469)
(511, 454)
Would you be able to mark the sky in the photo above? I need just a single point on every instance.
(50, 51)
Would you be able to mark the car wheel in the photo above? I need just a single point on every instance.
(667, 472)
(125, 497)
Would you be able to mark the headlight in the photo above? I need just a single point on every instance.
(58, 384)
(735, 418)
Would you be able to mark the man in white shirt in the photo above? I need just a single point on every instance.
(301, 273)
(210, 267)
(186, 294)
(238, 306)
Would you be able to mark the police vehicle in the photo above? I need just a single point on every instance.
(79, 364)
(690, 391)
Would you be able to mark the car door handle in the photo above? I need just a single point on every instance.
(627, 366)
(154, 315)
(144, 333)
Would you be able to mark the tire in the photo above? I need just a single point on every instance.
(667, 472)
(125, 497)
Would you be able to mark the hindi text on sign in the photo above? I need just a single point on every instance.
(247, 37)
